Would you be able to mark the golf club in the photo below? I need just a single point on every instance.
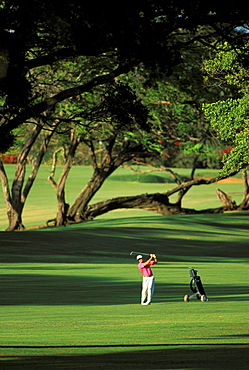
(144, 254)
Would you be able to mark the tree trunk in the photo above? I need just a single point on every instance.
(157, 202)
(77, 210)
(15, 219)
(244, 205)
(226, 199)
(154, 202)
(101, 172)
(61, 217)
(15, 200)
(13, 214)
(63, 207)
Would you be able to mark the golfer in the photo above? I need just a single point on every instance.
(148, 283)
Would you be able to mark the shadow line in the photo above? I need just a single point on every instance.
(130, 345)
(177, 357)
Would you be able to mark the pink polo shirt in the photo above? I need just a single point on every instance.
(146, 270)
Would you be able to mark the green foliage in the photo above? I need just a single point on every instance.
(174, 105)
(41, 33)
(229, 118)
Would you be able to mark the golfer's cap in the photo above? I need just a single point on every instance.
(139, 256)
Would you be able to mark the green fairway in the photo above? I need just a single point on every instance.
(70, 296)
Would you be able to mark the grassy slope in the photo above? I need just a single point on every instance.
(70, 296)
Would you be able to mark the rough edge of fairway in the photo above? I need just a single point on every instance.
(145, 357)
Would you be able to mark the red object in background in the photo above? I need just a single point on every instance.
(227, 151)
(10, 159)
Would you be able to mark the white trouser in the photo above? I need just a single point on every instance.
(148, 287)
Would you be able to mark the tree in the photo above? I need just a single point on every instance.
(229, 117)
(119, 123)
(175, 107)
(112, 115)
(15, 197)
(63, 206)
(37, 33)
(156, 202)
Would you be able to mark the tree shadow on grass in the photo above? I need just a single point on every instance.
(171, 238)
(39, 289)
(65, 290)
(139, 357)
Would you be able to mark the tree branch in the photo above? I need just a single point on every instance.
(50, 58)
(48, 103)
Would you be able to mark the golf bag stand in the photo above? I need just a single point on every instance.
(196, 287)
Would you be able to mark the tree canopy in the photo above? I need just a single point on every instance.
(37, 33)
(229, 117)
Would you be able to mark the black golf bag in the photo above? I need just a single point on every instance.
(196, 287)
